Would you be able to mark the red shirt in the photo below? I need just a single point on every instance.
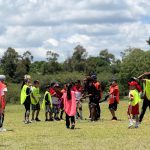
(52, 91)
(114, 94)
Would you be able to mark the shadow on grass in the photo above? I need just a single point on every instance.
(10, 130)
(4, 145)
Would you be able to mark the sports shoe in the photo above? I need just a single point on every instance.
(37, 119)
(114, 118)
(137, 125)
(72, 126)
(51, 119)
(68, 127)
(46, 120)
(26, 122)
(2, 130)
(57, 119)
(130, 126)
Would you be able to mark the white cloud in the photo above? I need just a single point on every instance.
(41, 25)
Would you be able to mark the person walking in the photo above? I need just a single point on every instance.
(69, 106)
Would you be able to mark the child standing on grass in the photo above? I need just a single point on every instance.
(47, 105)
(113, 98)
(69, 106)
(3, 90)
(25, 99)
(35, 97)
(133, 108)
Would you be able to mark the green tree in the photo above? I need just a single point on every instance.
(27, 59)
(52, 66)
(134, 62)
(20, 72)
(78, 60)
(108, 57)
(9, 62)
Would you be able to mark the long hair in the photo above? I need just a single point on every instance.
(69, 86)
(23, 83)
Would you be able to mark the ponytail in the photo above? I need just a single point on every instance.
(69, 86)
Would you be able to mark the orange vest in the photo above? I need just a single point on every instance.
(114, 94)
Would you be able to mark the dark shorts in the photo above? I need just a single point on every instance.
(113, 106)
(27, 105)
(134, 110)
(36, 106)
(55, 108)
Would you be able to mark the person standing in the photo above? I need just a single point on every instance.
(35, 97)
(98, 88)
(94, 97)
(69, 106)
(133, 108)
(78, 89)
(25, 99)
(47, 104)
(3, 90)
(146, 94)
(113, 99)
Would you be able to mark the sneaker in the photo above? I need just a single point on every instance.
(51, 119)
(29, 121)
(57, 119)
(72, 126)
(26, 122)
(37, 119)
(130, 126)
(46, 120)
(137, 125)
(114, 118)
(61, 118)
(68, 127)
(2, 130)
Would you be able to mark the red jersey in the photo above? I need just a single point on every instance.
(114, 94)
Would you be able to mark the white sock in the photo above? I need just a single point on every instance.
(131, 121)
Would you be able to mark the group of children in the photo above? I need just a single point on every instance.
(68, 99)
(54, 101)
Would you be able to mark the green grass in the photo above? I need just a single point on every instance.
(101, 135)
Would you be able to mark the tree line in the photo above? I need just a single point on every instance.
(133, 62)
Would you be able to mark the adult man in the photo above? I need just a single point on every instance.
(94, 97)
(3, 90)
(146, 93)
(98, 88)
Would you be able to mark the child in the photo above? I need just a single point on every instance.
(113, 98)
(35, 97)
(25, 98)
(133, 108)
(69, 106)
(3, 90)
(56, 95)
(78, 93)
(62, 102)
(47, 105)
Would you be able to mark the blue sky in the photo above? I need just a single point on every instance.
(60, 25)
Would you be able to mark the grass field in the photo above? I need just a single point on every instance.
(102, 135)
